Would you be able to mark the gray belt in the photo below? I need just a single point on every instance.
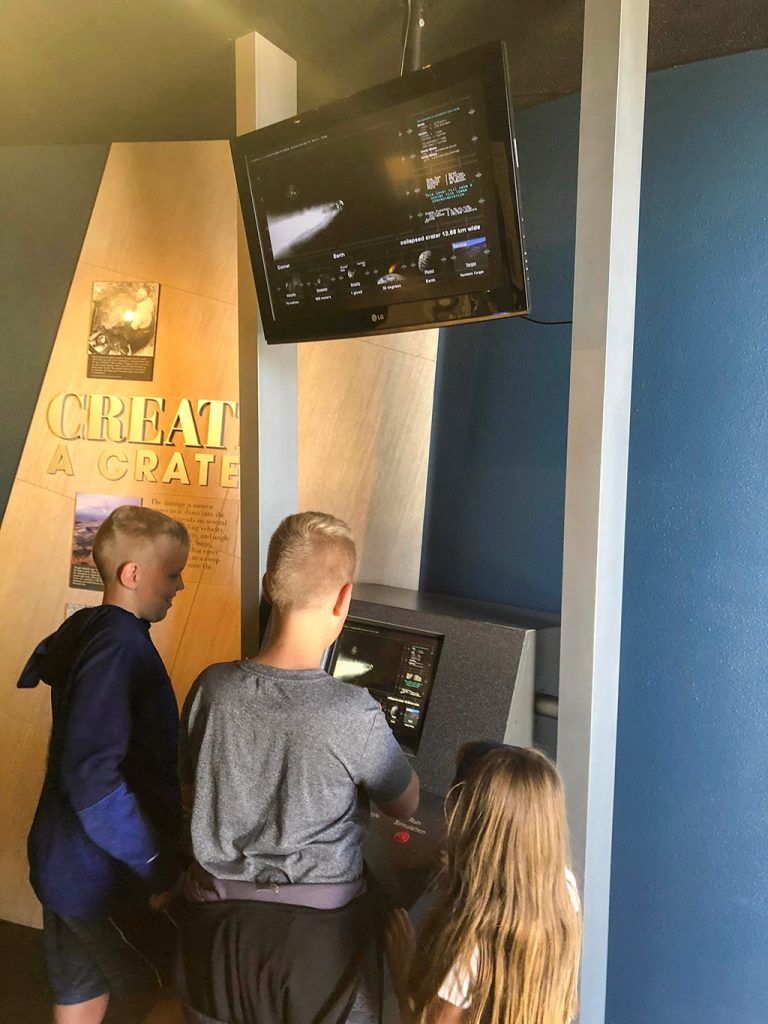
(199, 886)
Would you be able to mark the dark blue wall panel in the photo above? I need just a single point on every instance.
(46, 197)
(689, 889)
(494, 519)
(689, 893)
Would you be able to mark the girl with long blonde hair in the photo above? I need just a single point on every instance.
(501, 943)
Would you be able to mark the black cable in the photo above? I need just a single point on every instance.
(545, 323)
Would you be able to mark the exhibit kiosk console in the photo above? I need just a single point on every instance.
(445, 671)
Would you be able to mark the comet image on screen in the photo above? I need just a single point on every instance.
(289, 231)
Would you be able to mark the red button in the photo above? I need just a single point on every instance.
(401, 837)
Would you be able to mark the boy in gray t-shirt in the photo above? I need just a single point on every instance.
(282, 760)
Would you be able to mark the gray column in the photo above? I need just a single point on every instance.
(266, 92)
(610, 151)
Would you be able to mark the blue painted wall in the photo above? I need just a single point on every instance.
(500, 421)
(689, 892)
(46, 197)
(689, 888)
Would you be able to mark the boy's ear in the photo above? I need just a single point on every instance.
(341, 607)
(265, 589)
(128, 575)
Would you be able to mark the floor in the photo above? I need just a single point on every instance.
(24, 995)
(23, 990)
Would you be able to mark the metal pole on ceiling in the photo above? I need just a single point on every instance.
(414, 22)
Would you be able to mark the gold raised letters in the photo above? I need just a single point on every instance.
(57, 415)
(104, 422)
(216, 416)
(185, 423)
(113, 465)
(60, 462)
(142, 417)
(141, 420)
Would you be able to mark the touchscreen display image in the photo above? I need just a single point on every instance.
(396, 666)
(388, 208)
(394, 209)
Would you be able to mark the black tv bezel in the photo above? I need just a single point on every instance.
(489, 65)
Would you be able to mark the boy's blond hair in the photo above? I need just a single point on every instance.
(125, 529)
(311, 556)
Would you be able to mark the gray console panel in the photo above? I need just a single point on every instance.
(492, 659)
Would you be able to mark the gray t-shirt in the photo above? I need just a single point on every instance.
(283, 763)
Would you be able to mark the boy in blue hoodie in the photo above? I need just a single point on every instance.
(103, 841)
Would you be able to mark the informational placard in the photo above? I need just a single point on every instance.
(213, 527)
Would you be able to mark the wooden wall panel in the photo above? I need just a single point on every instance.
(179, 230)
(365, 415)
(165, 212)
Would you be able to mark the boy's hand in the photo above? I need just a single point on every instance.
(400, 945)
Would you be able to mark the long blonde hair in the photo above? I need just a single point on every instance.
(504, 915)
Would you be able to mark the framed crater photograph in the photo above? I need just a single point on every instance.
(121, 342)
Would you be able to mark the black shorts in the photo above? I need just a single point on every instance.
(268, 963)
(122, 955)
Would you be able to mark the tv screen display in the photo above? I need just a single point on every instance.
(397, 666)
(392, 210)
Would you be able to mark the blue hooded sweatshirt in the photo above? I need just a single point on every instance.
(108, 818)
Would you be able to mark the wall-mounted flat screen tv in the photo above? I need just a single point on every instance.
(392, 210)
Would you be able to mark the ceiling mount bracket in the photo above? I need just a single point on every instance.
(414, 22)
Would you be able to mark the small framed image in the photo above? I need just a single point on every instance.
(121, 343)
(90, 512)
